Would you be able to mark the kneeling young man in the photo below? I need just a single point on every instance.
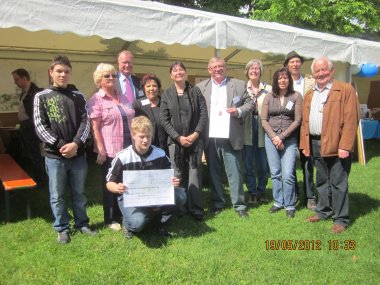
(142, 156)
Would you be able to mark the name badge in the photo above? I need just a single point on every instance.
(290, 105)
(145, 102)
(236, 99)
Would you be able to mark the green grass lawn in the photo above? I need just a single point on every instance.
(221, 250)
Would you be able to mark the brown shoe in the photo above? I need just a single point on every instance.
(337, 229)
(313, 219)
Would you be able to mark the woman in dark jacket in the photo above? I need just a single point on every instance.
(149, 106)
(184, 118)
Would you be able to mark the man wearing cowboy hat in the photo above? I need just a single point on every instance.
(302, 84)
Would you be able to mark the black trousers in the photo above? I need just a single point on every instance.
(332, 185)
(111, 209)
(31, 145)
(307, 165)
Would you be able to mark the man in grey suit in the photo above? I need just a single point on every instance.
(225, 94)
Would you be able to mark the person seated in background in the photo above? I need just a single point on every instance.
(111, 115)
(29, 139)
(142, 156)
(149, 106)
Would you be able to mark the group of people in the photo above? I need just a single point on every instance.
(250, 129)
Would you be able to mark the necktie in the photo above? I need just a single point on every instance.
(128, 91)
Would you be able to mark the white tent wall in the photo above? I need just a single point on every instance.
(33, 31)
(151, 21)
(34, 51)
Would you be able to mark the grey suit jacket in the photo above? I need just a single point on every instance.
(235, 88)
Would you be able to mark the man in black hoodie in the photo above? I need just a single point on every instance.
(61, 121)
(29, 139)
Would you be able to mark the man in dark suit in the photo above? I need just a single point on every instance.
(29, 139)
(129, 85)
(225, 96)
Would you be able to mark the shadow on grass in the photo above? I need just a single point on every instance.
(40, 206)
(361, 205)
(371, 148)
(179, 228)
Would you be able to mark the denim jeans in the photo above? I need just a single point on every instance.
(135, 218)
(70, 173)
(282, 164)
(256, 165)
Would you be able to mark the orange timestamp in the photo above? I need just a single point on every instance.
(307, 244)
(293, 244)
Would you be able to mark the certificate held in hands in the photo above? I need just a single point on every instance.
(148, 187)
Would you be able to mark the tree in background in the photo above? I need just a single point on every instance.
(240, 8)
(343, 17)
(360, 18)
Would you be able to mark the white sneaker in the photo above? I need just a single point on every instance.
(115, 227)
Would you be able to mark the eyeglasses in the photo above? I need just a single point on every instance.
(107, 76)
(254, 68)
(221, 66)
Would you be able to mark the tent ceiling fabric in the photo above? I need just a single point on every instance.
(151, 21)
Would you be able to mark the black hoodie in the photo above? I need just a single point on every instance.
(60, 117)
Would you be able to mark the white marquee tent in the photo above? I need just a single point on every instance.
(91, 31)
(151, 21)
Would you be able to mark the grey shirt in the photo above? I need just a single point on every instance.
(281, 120)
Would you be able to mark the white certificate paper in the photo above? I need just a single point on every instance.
(219, 124)
(148, 187)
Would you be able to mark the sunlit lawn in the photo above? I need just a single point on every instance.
(221, 250)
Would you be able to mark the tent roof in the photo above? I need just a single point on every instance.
(151, 21)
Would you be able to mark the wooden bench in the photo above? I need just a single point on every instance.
(13, 178)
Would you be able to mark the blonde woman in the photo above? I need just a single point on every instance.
(111, 115)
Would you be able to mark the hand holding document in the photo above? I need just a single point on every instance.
(148, 187)
(219, 123)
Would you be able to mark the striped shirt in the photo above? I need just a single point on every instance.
(316, 109)
(129, 159)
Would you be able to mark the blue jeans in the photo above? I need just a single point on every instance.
(282, 164)
(71, 173)
(256, 165)
(135, 218)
